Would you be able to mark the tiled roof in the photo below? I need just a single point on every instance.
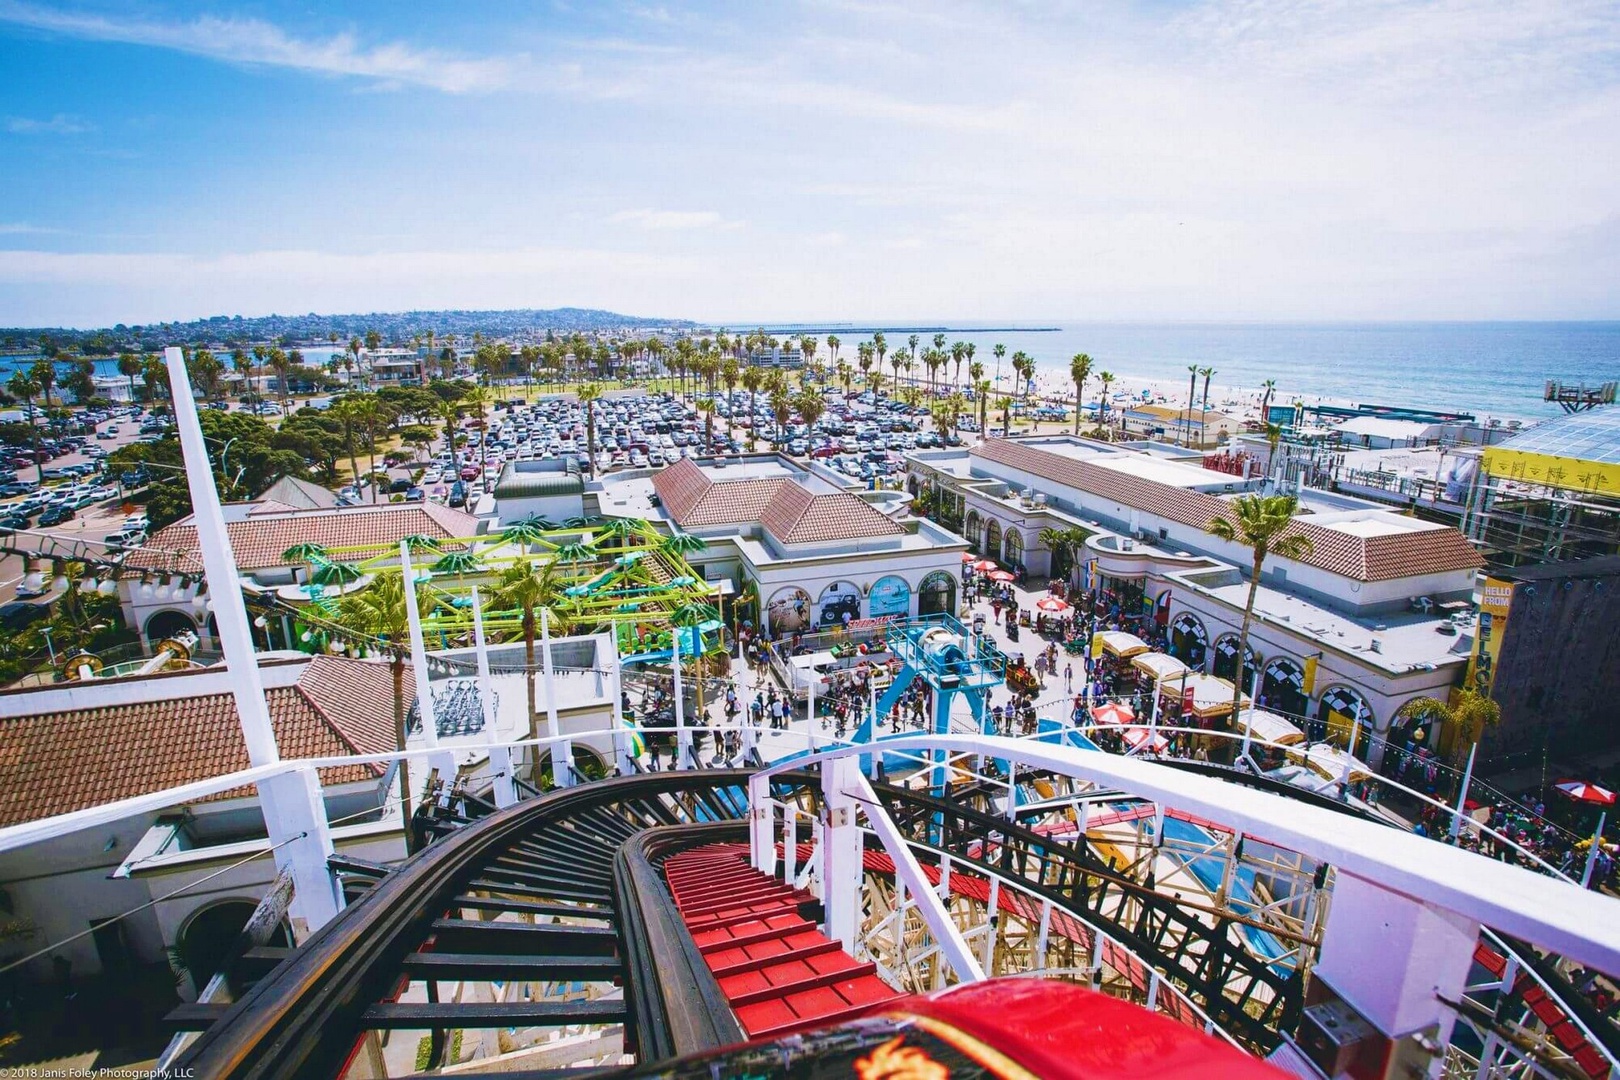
(270, 506)
(790, 511)
(298, 494)
(1362, 558)
(692, 499)
(259, 540)
(55, 763)
(795, 516)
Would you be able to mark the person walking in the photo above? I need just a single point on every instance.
(1068, 678)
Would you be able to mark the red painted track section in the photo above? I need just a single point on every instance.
(778, 972)
(1564, 1032)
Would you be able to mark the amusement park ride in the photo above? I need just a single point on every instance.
(920, 905)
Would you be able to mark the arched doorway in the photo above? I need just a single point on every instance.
(588, 764)
(1282, 688)
(207, 937)
(973, 529)
(1225, 665)
(937, 595)
(992, 539)
(1012, 548)
(1419, 724)
(1189, 642)
(169, 623)
(1342, 711)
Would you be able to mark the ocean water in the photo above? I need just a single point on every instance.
(1489, 369)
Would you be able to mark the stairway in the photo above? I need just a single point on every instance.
(777, 971)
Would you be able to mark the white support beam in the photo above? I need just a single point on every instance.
(562, 754)
(841, 869)
(442, 760)
(294, 812)
(761, 826)
(906, 868)
(500, 757)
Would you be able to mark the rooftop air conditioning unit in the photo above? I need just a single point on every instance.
(1040, 499)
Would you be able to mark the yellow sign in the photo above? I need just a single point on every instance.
(1096, 646)
(1310, 676)
(1496, 599)
(1591, 476)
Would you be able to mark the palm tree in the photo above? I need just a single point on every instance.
(845, 375)
(781, 403)
(1192, 388)
(1107, 380)
(810, 406)
(1206, 372)
(281, 364)
(155, 376)
(346, 411)
(807, 348)
(1079, 371)
(1270, 386)
(958, 354)
(524, 589)
(23, 385)
(730, 373)
(705, 405)
(378, 611)
(753, 378)
(880, 346)
(588, 393)
(898, 361)
(832, 345)
(981, 390)
(129, 366)
(1262, 523)
(1000, 350)
(43, 372)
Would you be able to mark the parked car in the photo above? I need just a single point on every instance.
(56, 515)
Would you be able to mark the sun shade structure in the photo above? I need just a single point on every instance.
(421, 542)
(1119, 643)
(1053, 605)
(1209, 696)
(1114, 712)
(1269, 727)
(1157, 664)
(336, 573)
(458, 562)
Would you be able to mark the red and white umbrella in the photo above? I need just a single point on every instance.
(1113, 712)
(1053, 605)
(968, 556)
(1002, 575)
(985, 565)
(1581, 791)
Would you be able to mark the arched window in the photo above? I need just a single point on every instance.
(992, 539)
(1341, 712)
(1189, 642)
(168, 624)
(937, 595)
(1225, 665)
(973, 530)
(1282, 687)
(1013, 548)
(788, 612)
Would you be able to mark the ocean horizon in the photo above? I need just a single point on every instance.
(1490, 369)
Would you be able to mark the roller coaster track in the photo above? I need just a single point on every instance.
(583, 867)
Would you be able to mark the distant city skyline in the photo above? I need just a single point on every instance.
(729, 163)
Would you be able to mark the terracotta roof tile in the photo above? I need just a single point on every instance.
(55, 763)
(259, 540)
(795, 516)
(1376, 558)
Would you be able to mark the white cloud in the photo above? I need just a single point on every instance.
(22, 228)
(60, 124)
(648, 218)
(254, 41)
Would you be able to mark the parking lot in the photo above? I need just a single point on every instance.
(97, 511)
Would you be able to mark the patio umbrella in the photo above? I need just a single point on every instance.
(304, 553)
(336, 573)
(536, 521)
(682, 543)
(1581, 791)
(580, 522)
(683, 581)
(420, 542)
(967, 556)
(457, 562)
(985, 565)
(1114, 712)
(1053, 605)
(1002, 575)
(692, 614)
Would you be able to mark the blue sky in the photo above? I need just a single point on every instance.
(823, 159)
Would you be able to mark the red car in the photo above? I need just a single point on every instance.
(469, 472)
